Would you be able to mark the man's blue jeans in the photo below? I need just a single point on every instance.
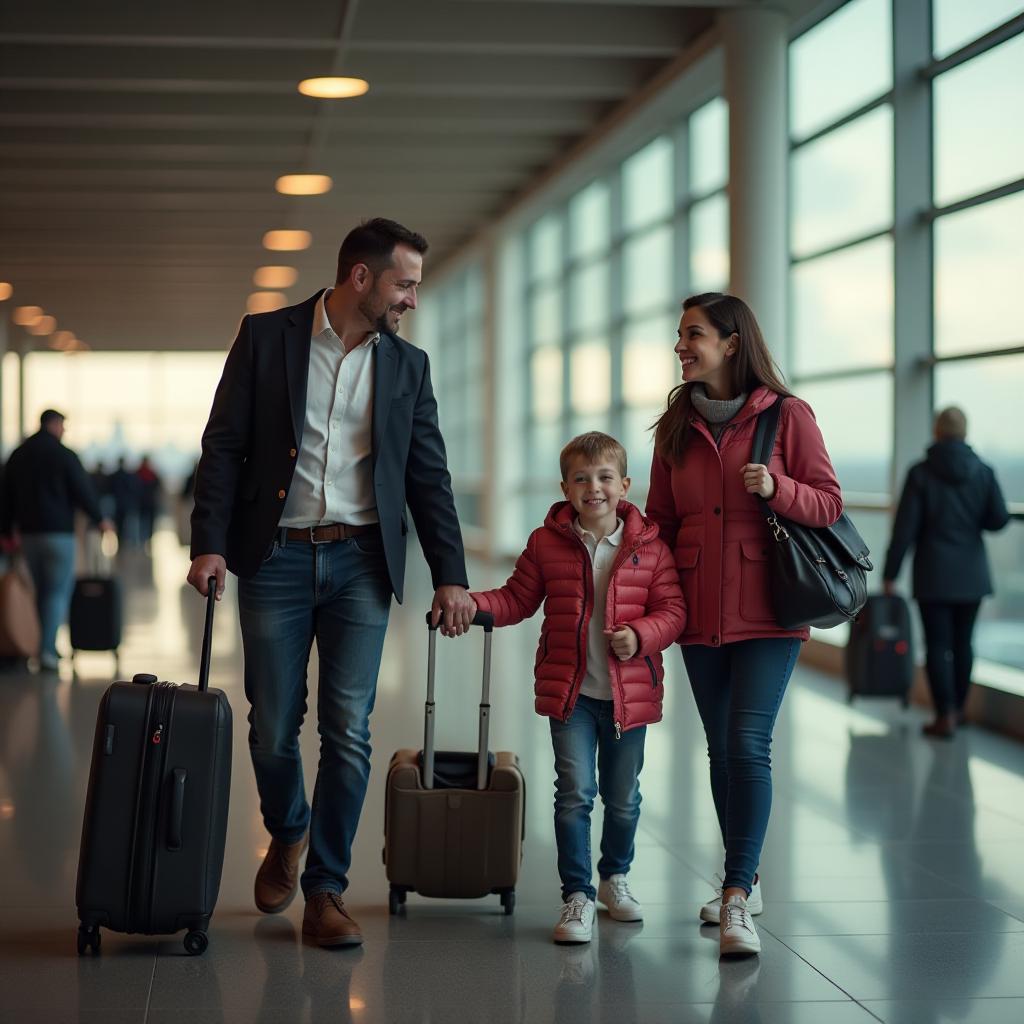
(739, 688)
(51, 562)
(589, 759)
(337, 593)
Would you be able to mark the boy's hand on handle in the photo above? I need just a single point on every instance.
(623, 642)
(757, 480)
(205, 566)
(453, 608)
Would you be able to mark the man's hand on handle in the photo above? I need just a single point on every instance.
(454, 608)
(205, 566)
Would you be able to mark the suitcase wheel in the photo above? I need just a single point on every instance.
(196, 943)
(508, 901)
(396, 899)
(88, 936)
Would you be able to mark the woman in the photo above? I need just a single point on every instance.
(703, 497)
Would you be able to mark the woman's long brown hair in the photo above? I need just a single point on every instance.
(751, 365)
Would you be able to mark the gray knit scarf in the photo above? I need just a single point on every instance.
(715, 412)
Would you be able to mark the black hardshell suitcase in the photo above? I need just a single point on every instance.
(880, 651)
(157, 806)
(96, 615)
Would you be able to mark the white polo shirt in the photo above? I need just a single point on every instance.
(597, 682)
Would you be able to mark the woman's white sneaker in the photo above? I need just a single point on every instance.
(622, 905)
(737, 934)
(576, 923)
(711, 911)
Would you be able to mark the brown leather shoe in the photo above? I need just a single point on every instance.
(277, 880)
(326, 920)
(942, 728)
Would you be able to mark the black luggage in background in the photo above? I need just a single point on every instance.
(156, 812)
(96, 614)
(880, 652)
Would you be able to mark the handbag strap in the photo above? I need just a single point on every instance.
(765, 433)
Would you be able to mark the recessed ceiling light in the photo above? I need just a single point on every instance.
(43, 326)
(6, 291)
(287, 241)
(275, 277)
(25, 315)
(303, 184)
(264, 302)
(63, 340)
(333, 88)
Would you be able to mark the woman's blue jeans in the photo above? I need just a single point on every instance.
(337, 593)
(739, 688)
(590, 760)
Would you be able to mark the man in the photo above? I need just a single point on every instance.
(43, 485)
(323, 426)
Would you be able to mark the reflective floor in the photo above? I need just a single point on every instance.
(892, 872)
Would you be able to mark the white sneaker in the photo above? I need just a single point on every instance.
(576, 923)
(622, 905)
(711, 911)
(737, 933)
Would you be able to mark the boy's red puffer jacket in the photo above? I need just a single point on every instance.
(643, 593)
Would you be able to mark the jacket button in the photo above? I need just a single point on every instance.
(718, 511)
(292, 452)
(280, 494)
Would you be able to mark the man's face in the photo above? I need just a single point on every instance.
(393, 290)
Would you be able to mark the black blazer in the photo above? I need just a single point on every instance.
(251, 443)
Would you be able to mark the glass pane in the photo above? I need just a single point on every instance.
(709, 245)
(588, 297)
(546, 441)
(590, 377)
(546, 383)
(987, 390)
(976, 147)
(855, 417)
(647, 271)
(583, 423)
(650, 368)
(843, 309)
(647, 184)
(546, 247)
(546, 315)
(842, 184)
(839, 65)
(979, 267)
(638, 441)
(956, 22)
(998, 636)
(590, 220)
(709, 146)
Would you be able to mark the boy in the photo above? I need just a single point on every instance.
(611, 604)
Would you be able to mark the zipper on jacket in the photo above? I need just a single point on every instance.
(654, 675)
(578, 673)
(618, 731)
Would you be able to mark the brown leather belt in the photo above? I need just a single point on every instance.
(326, 534)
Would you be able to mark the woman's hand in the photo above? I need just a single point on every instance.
(757, 480)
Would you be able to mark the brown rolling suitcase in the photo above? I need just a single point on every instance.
(454, 821)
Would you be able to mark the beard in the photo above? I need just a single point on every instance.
(379, 315)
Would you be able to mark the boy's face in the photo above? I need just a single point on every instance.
(594, 488)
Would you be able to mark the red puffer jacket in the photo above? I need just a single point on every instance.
(717, 531)
(643, 593)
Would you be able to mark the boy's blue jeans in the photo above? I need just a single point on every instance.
(337, 593)
(739, 688)
(588, 760)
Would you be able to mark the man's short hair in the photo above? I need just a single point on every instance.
(48, 416)
(593, 446)
(951, 424)
(373, 243)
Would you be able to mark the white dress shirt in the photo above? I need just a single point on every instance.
(597, 682)
(333, 481)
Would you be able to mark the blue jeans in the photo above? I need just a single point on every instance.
(51, 562)
(589, 735)
(739, 688)
(337, 593)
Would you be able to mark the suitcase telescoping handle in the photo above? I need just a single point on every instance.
(204, 658)
(485, 619)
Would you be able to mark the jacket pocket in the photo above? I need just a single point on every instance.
(653, 671)
(688, 566)
(755, 603)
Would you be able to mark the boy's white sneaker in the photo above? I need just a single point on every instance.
(576, 923)
(711, 911)
(737, 934)
(622, 905)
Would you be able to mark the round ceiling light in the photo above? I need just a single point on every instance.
(333, 88)
(275, 277)
(287, 241)
(264, 302)
(303, 184)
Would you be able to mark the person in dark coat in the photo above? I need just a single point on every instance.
(948, 500)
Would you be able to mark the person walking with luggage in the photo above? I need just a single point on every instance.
(611, 604)
(44, 483)
(949, 499)
(704, 497)
(323, 426)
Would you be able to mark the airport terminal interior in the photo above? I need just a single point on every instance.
(854, 170)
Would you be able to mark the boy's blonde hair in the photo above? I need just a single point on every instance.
(593, 446)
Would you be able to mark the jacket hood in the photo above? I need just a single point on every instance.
(952, 461)
(636, 527)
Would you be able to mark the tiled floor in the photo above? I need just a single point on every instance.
(892, 871)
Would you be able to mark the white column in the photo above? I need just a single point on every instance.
(755, 46)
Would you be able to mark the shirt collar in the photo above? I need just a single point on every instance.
(322, 325)
(614, 538)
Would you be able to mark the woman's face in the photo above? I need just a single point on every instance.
(703, 352)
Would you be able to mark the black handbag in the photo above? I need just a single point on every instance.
(817, 575)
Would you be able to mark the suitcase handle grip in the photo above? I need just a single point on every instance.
(177, 809)
(204, 658)
(485, 619)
